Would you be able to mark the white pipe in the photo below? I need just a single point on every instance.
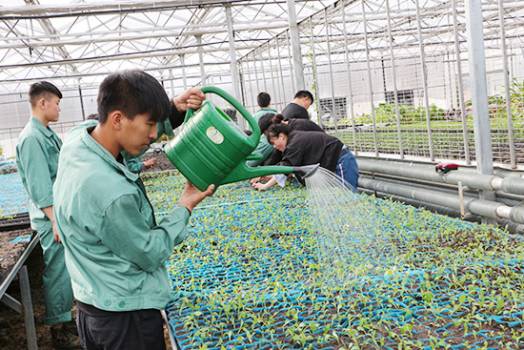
(510, 184)
(481, 207)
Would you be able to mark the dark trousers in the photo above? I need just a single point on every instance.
(128, 330)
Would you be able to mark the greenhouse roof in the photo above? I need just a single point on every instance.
(83, 40)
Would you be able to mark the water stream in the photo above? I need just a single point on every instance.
(349, 238)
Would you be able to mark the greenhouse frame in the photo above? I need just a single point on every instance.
(428, 95)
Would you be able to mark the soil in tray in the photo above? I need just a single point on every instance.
(12, 328)
(162, 163)
(9, 252)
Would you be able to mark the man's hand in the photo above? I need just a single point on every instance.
(191, 98)
(56, 236)
(149, 163)
(51, 216)
(191, 195)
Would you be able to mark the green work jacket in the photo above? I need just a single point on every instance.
(263, 111)
(115, 251)
(37, 161)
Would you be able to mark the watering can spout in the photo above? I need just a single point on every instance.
(306, 170)
(244, 171)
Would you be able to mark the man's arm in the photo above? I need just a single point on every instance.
(127, 233)
(38, 181)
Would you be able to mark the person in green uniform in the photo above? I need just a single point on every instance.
(263, 101)
(115, 250)
(264, 149)
(37, 154)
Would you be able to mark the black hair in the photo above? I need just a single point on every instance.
(133, 92)
(231, 113)
(263, 99)
(277, 129)
(267, 119)
(304, 93)
(40, 88)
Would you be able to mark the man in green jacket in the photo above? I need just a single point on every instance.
(37, 161)
(115, 250)
(263, 101)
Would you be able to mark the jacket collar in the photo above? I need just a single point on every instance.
(41, 127)
(105, 155)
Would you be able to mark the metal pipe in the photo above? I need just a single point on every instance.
(395, 90)
(509, 184)
(106, 7)
(81, 101)
(330, 65)
(295, 45)
(290, 62)
(27, 303)
(171, 82)
(424, 82)
(350, 85)
(256, 76)
(316, 87)
(274, 82)
(273, 97)
(481, 207)
(462, 105)
(511, 140)
(232, 53)
(370, 83)
(184, 78)
(281, 73)
(201, 59)
(512, 227)
(479, 95)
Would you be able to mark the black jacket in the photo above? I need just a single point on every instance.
(294, 124)
(292, 111)
(311, 147)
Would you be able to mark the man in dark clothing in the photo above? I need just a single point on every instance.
(299, 106)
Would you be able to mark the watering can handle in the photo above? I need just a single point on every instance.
(255, 136)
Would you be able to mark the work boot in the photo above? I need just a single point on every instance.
(65, 336)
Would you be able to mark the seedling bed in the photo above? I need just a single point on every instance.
(250, 276)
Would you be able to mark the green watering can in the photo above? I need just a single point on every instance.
(212, 149)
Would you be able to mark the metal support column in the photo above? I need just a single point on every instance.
(350, 85)
(290, 62)
(479, 95)
(330, 64)
(81, 101)
(264, 77)
(394, 72)
(171, 82)
(424, 82)
(295, 44)
(370, 83)
(460, 84)
(249, 83)
(184, 77)
(201, 59)
(281, 71)
(511, 140)
(274, 83)
(315, 72)
(232, 54)
(256, 74)
(25, 297)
